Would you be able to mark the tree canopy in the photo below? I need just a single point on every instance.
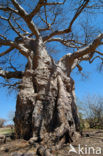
(69, 23)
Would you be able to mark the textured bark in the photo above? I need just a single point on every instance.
(46, 108)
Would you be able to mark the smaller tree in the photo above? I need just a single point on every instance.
(81, 113)
(11, 115)
(2, 122)
(91, 108)
(95, 118)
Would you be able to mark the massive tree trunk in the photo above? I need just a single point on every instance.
(46, 108)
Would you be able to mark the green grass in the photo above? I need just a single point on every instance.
(6, 130)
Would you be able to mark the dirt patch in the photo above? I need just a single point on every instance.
(91, 139)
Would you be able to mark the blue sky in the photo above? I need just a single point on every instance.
(91, 85)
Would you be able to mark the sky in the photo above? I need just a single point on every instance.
(91, 84)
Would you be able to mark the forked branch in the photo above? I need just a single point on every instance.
(88, 49)
(20, 47)
(26, 18)
(43, 3)
(87, 53)
(68, 30)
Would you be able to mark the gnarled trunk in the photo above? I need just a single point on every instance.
(46, 107)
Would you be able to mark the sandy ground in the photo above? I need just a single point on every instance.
(91, 144)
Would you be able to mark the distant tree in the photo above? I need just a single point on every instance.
(81, 113)
(91, 111)
(95, 112)
(2, 122)
(11, 116)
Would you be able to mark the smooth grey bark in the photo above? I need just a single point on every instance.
(46, 109)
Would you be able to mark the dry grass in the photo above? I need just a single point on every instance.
(6, 130)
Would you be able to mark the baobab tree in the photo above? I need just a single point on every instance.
(45, 108)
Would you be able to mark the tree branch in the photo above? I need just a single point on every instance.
(69, 61)
(68, 43)
(7, 9)
(20, 27)
(46, 38)
(91, 61)
(43, 3)
(10, 86)
(6, 52)
(36, 9)
(26, 18)
(6, 42)
(21, 11)
(78, 12)
(99, 52)
(68, 30)
(3, 37)
(55, 3)
(89, 49)
(13, 28)
(1, 17)
(24, 51)
(9, 74)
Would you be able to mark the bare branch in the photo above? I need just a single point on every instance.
(68, 30)
(13, 28)
(10, 86)
(26, 18)
(46, 38)
(91, 61)
(99, 52)
(78, 12)
(89, 49)
(11, 65)
(79, 67)
(20, 27)
(68, 43)
(6, 52)
(7, 9)
(1, 17)
(3, 37)
(55, 3)
(20, 47)
(45, 14)
(45, 21)
(9, 74)
(44, 29)
(71, 60)
(36, 9)
(21, 11)
(40, 4)
(6, 42)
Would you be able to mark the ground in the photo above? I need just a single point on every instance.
(90, 139)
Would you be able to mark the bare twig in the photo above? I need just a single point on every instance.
(68, 43)
(5, 38)
(68, 30)
(6, 52)
(13, 28)
(91, 61)
(88, 49)
(7, 9)
(26, 18)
